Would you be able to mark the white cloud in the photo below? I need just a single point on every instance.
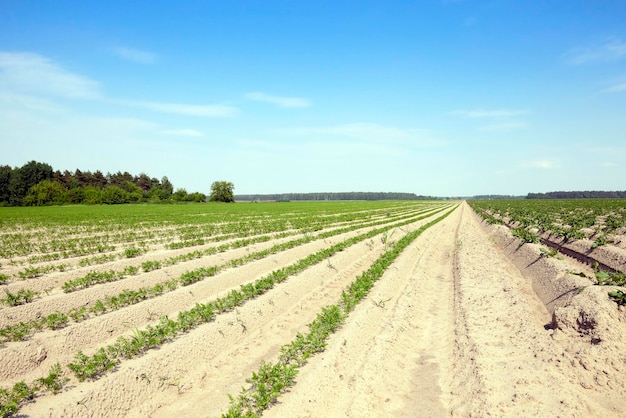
(29, 80)
(29, 73)
(183, 132)
(288, 102)
(497, 120)
(17, 101)
(210, 111)
(135, 55)
(503, 127)
(611, 50)
(544, 164)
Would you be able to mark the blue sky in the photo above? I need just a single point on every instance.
(441, 97)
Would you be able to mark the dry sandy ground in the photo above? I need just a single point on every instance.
(457, 326)
(461, 333)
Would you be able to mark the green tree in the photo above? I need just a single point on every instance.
(75, 195)
(92, 195)
(135, 193)
(180, 195)
(5, 180)
(167, 187)
(25, 177)
(196, 197)
(114, 195)
(46, 192)
(222, 191)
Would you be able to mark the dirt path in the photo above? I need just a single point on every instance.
(510, 355)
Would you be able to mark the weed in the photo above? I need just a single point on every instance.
(580, 274)
(381, 303)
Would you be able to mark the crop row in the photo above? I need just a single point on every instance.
(125, 347)
(273, 378)
(568, 219)
(56, 320)
(565, 219)
(100, 247)
(131, 252)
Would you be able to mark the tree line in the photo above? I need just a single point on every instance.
(37, 184)
(578, 195)
(282, 197)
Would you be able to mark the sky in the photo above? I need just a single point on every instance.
(433, 97)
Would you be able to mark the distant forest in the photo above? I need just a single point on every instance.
(37, 184)
(577, 195)
(285, 197)
(495, 197)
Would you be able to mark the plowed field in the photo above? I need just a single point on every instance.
(458, 324)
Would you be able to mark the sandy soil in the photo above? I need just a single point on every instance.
(464, 323)
(461, 333)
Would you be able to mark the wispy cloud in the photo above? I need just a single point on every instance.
(490, 114)
(616, 88)
(29, 73)
(611, 50)
(28, 102)
(29, 80)
(543, 164)
(280, 101)
(183, 132)
(370, 131)
(503, 127)
(135, 55)
(210, 111)
(495, 120)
